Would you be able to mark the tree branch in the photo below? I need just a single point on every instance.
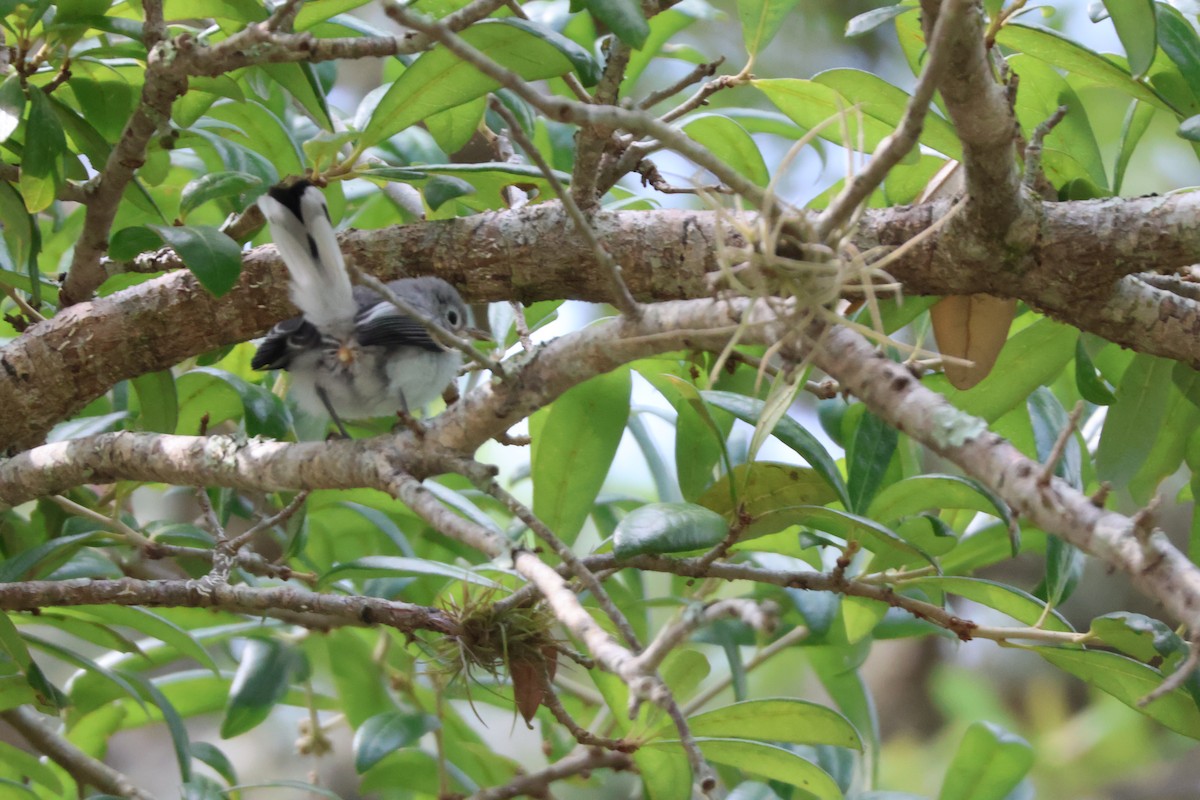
(322, 610)
(86, 771)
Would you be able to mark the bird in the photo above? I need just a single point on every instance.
(352, 353)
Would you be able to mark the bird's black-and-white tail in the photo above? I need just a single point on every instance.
(320, 286)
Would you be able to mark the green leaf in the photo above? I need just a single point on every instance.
(1088, 380)
(663, 28)
(266, 413)
(788, 431)
(1179, 41)
(128, 243)
(867, 459)
(214, 258)
(731, 143)
(573, 446)
(386, 733)
(1057, 50)
(622, 17)
(887, 103)
(668, 528)
(438, 80)
(1128, 681)
(927, 492)
(891, 549)
(12, 105)
(761, 20)
(1136, 28)
(870, 20)
(453, 128)
(151, 624)
(158, 401)
(665, 772)
(1142, 637)
(42, 160)
(490, 179)
(836, 92)
(989, 764)
(768, 760)
(388, 566)
(1019, 605)
(21, 764)
(214, 758)
(1137, 121)
(1140, 407)
(174, 723)
(779, 719)
(215, 186)
(443, 189)
(263, 674)
(761, 496)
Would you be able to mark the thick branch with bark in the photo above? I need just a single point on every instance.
(1074, 272)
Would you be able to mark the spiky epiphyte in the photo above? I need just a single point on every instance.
(492, 636)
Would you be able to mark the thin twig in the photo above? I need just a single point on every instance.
(706, 91)
(582, 735)
(1176, 678)
(488, 485)
(1033, 151)
(622, 298)
(1060, 445)
(698, 74)
(897, 144)
(592, 143)
(794, 636)
(536, 784)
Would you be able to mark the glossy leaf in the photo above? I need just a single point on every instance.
(1009, 600)
(1141, 404)
(788, 431)
(1129, 681)
(1137, 29)
(438, 80)
(622, 17)
(265, 413)
(215, 186)
(870, 20)
(926, 492)
(386, 733)
(264, 671)
(383, 566)
(1090, 383)
(762, 496)
(781, 719)
(42, 161)
(214, 258)
(668, 528)
(988, 764)
(1137, 635)
(1059, 51)
(573, 446)
(867, 458)
(12, 106)
(761, 20)
(730, 142)
(158, 401)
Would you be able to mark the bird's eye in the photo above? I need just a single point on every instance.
(452, 318)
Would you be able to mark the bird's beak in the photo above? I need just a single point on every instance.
(478, 334)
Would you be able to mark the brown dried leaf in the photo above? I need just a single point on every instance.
(972, 327)
(527, 676)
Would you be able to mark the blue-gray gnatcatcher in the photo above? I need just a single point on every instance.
(352, 352)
